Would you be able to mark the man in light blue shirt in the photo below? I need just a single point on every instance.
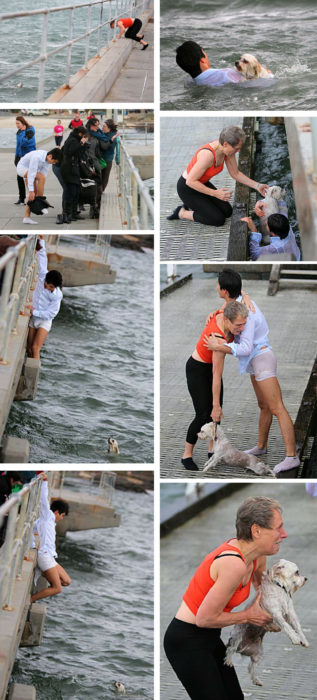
(191, 58)
(282, 237)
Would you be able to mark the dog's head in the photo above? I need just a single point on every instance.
(119, 687)
(275, 192)
(285, 574)
(209, 431)
(249, 66)
(113, 445)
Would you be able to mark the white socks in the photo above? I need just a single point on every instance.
(288, 463)
(256, 451)
(28, 220)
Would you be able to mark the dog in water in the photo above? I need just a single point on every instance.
(249, 66)
(271, 199)
(119, 687)
(277, 587)
(113, 446)
(225, 452)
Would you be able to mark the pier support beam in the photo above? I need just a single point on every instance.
(27, 386)
(34, 626)
(15, 450)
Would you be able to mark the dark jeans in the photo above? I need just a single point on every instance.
(21, 183)
(132, 31)
(105, 173)
(199, 382)
(58, 140)
(197, 654)
(209, 211)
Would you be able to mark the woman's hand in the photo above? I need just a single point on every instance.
(256, 615)
(223, 193)
(247, 302)
(115, 136)
(259, 208)
(216, 414)
(262, 189)
(250, 223)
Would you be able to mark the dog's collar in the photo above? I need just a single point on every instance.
(277, 583)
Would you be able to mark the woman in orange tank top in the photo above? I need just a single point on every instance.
(130, 28)
(202, 201)
(221, 582)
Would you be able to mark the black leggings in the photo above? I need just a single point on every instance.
(199, 382)
(105, 173)
(132, 31)
(197, 656)
(209, 211)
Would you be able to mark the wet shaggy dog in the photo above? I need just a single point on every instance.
(113, 446)
(249, 66)
(225, 452)
(277, 587)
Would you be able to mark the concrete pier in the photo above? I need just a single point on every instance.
(286, 670)
(121, 73)
(295, 354)
(79, 267)
(86, 512)
(10, 373)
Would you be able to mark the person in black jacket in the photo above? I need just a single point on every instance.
(73, 150)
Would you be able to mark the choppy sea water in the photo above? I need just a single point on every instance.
(100, 629)
(282, 34)
(96, 378)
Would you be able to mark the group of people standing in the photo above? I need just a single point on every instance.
(82, 165)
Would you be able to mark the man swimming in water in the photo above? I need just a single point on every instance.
(191, 58)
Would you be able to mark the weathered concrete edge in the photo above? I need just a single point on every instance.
(238, 237)
(97, 81)
(175, 285)
(307, 415)
(225, 489)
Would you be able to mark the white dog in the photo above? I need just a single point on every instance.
(113, 446)
(277, 587)
(224, 452)
(249, 66)
(271, 199)
(119, 687)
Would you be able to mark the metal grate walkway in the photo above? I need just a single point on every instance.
(180, 138)
(287, 671)
(293, 338)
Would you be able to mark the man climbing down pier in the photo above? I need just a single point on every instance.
(46, 302)
(129, 27)
(45, 526)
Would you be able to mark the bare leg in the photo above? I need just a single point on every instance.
(265, 418)
(53, 577)
(38, 341)
(30, 341)
(63, 575)
(186, 214)
(272, 397)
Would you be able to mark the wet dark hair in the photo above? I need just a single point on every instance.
(230, 280)
(110, 123)
(56, 154)
(61, 506)
(54, 277)
(188, 57)
(278, 224)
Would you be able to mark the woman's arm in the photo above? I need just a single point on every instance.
(232, 168)
(217, 371)
(231, 571)
(204, 161)
(122, 29)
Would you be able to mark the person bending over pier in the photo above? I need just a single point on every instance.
(45, 526)
(33, 167)
(202, 202)
(282, 237)
(255, 355)
(46, 302)
(129, 27)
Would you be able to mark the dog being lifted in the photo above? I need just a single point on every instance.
(277, 587)
(271, 199)
(225, 452)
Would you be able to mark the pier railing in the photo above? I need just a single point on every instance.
(107, 10)
(138, 205)
(17, 272)
(19, 514)
(98, 245)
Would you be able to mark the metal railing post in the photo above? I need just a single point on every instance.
(43, 58)
(70, 46)
(88, 37)
(99, 30)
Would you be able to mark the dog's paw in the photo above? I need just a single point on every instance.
(257, 681)
(304, 643)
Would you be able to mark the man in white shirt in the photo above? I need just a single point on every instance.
(251, 347)
(191, 58)
(33, 167)
(45, 526)
(282, 237)
(46, 302)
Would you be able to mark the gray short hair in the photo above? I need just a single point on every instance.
(256, 509)
(234, 309)
(232, 135)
